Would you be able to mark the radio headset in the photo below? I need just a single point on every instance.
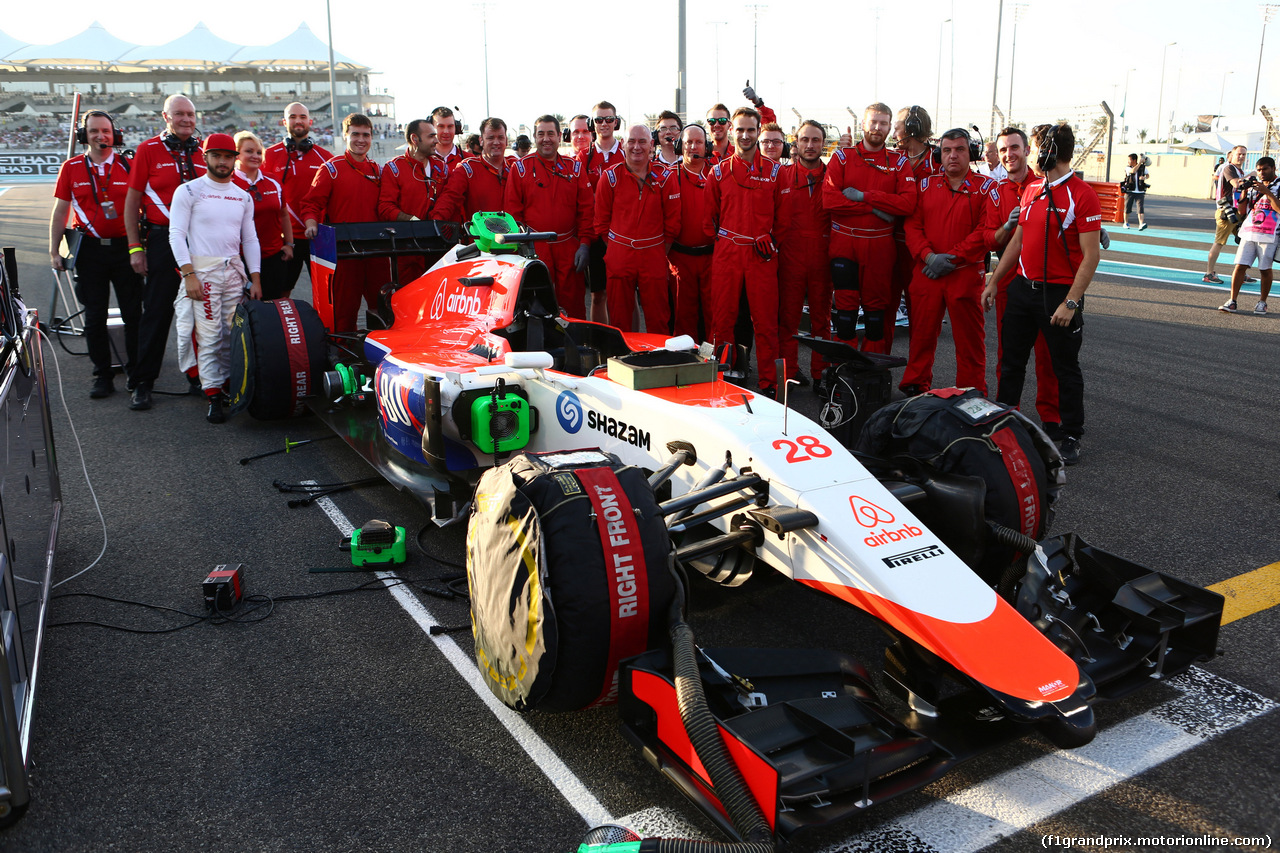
(187, 146)
(564, 134)
(82, 132)
(915, 127)
(1048, 157)
(294, 146)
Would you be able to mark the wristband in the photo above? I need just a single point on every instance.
(133, 250)
(135, 245)
(288, 245)
(188, 274)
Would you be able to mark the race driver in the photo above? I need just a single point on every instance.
(211, 230)
(949, 235)
(866, 186)
(548, 192)
(346, 190)
(747, 215)
(294, 163)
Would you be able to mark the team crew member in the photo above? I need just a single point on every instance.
(912, 128)
(773, 141)
(161, 164)
(638, 214)
(446, 126)
(580, 137)
(721, 146)
(804, 271)
(747, 215)
(95, 185)
(689, 258)
(294, 163)
(212, 227)
(270, 219)
(1012, 146)
(949, 234)
(346, 190)
(549, 192)
(866, 187)
(605, 152)
(1055, 249)
(411, 186)
(667, 133)
(477, 183)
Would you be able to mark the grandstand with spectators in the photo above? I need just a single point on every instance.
(233, 86)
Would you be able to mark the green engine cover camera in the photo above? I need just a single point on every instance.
(484, 227)
(500, 422)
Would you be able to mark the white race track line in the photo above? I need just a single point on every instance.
(964, 822)
(581, 799)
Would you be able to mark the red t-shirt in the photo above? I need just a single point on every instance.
(1076, 211)
(158, 171)
(87, 186)
(268, 196)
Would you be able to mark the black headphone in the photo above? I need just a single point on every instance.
(190, 145)
(975, 148)
(1049, 150)
(679, 143)
(82, 132)
(292, 145)
(912, 123)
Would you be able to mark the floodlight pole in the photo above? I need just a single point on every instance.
(995, 81)
(682, 106)
(1268, 10)
(333, 86)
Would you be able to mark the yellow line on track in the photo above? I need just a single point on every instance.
(1250, 592)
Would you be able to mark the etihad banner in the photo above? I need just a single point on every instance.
(29, 165)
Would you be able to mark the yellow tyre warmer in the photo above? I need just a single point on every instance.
(567, 560)
(277, 358)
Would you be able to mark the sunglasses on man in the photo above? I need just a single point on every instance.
(605, 119)
(717, 121)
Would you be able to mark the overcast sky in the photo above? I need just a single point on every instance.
(816, 58)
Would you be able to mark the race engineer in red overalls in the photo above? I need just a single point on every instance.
(949, 234)
(346, 190)
(866, 187)
(804, 271)
(446, 125)
(912, 128)
(294, 163)
(476, 185)
(604, 151)
(409, 188)
(1012, 147)
(689, 257)
(747, 215)
(638, 216)
(549, 192)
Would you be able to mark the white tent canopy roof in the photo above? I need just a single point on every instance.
(95, 45)
(301, 47)
(198, 47)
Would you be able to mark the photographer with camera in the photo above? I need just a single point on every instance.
(1229, 177)
(1134, 187)
(1257, 215)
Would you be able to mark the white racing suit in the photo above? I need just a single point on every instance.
(204, 327)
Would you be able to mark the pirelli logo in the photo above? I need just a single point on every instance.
(915, 556)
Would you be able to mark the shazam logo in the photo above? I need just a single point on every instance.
(569, 411)
(437, 304)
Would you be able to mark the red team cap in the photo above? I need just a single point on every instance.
(219, 142)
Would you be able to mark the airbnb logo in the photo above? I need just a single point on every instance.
(869, 514)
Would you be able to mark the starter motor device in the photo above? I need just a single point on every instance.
(224, 587)
(377, 542)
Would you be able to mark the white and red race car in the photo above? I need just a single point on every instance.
(474, 364)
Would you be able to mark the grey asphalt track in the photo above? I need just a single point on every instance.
(336, 724)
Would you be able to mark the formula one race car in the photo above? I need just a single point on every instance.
(600, 468)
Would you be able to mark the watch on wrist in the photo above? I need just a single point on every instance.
(1072, 304)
